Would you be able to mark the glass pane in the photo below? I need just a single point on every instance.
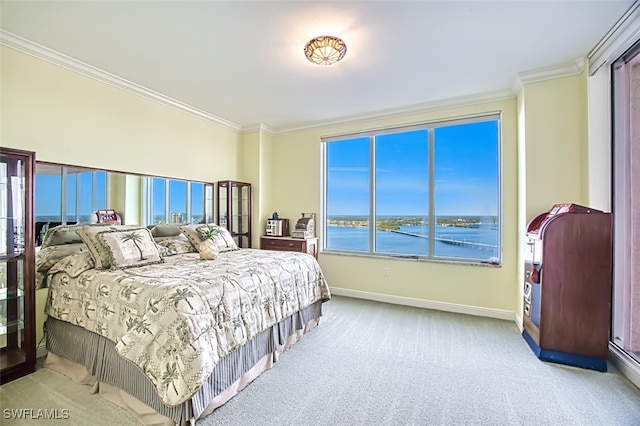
(177, 201)
(158, 201)
(222, 204)
(243, 210)
(12, 208)
(48, 193)
(466, 191)
(71, 205)
(197, 203)
(85, 196)
(12, 301)
(208, 204)
(402, 192)
(347, 194)
(100, 193)
(4, 207)
(626, 203)
(236, 210)
(241, 241)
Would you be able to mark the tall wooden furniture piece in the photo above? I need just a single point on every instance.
(17, 265)
(234, 210)
(306, 245)
(567, 286)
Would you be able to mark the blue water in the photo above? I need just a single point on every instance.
(357, 239)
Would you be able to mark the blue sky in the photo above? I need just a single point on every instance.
(49, 193)
(466, 172)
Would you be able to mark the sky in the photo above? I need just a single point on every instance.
(49, 193)
(465, 174)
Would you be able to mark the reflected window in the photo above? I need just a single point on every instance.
(178, 201)
(68, 194)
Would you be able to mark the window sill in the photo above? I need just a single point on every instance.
(464, 262)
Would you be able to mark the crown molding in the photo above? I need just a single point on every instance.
(615, 42)
(480, 98)
(261, 127)
(26, 46)
(548, 73)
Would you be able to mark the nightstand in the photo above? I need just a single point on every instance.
(308, 245)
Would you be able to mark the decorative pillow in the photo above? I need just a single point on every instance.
(176, 246)
(74, 265)
(129, 248)
(224, 239)
(46, 257)
(196, 233)
(61, 234)
(181, 237)
(165, 230)
(98, 251)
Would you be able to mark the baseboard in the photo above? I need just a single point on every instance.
(623, 362)
(41, 351)
(428, 304)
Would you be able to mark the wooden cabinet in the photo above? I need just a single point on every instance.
(17, 265)
(234, 210)
(567, 288)
(308, 245)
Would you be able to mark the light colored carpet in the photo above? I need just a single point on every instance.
(55, 399)
(374, 363)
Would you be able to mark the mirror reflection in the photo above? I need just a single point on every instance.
(66, 194)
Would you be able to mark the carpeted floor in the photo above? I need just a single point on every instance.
(48, 397)
(374, 363)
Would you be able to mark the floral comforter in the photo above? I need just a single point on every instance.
(175, 320)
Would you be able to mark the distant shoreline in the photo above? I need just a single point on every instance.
(393, 223)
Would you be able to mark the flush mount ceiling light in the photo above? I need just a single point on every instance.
(325, 50)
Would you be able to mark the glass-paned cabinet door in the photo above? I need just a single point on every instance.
(234, 210)
(17, 293)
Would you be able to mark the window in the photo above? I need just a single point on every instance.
(626, 201)
(68, 194)
(178, 201)
(427, 191)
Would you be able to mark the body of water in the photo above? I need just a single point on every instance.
(357, 239)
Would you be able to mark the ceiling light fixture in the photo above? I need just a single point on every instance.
(325, 50)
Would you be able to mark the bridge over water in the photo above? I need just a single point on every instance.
(481, 246)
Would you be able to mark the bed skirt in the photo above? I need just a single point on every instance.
(89, 358)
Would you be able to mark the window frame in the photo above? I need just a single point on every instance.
(430, 126)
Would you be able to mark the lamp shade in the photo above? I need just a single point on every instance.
(325, 50)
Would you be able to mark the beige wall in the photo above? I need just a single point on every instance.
(255, 166)
(554, 155)
(556, 143)
(68, 118)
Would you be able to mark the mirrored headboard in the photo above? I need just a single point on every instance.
(67, 194)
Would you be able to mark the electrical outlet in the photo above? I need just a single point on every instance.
(386, 272)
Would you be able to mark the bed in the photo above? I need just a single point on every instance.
(140, 315)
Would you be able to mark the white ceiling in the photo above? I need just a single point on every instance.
(243, 61)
